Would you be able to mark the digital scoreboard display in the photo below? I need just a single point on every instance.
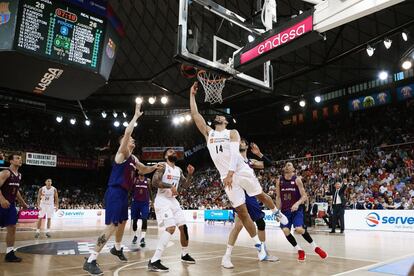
(60, 32)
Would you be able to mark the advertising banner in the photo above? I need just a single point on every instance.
(194, 215)
(218, 215)
(380, 220)
(39, 159)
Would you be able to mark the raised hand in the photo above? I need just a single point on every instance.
(190, 170)
(194, 89)
(138, 112)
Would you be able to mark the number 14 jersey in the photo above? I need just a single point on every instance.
(218, 144)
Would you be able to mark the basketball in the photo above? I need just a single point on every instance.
(188, 71)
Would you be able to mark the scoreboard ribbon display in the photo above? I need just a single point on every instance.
(56, 48)
(59, 32)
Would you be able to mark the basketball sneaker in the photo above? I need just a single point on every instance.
(134, 240)
(281, 217)
(119, 254)
(321, 253)
(261, 248)
(142, 243)
(12, 258)
(48, 235)
(187, 259)
(226, 262)
(301, 256)
(157, 266)
(92, 268)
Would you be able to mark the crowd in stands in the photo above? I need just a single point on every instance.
(378, 176)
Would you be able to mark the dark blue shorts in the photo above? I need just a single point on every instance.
(294, 218)
(253, 207)
(8, 216)
(116, 205)
(139, 209)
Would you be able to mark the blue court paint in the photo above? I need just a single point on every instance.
(401, 267)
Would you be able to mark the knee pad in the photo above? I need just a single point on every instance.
(261, 224)
(185, 229)
(144, 224)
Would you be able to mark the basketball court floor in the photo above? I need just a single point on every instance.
(353, 253)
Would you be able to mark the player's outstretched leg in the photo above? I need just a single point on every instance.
(154, 263)
(291, 239)
(184, 238)
(117, 250)
(234, 233)
(90, 264)
(261, 232)
(316, 248)
(244, 216)
(268, 202)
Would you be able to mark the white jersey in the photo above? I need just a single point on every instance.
(218, 144)
(47, 196)
(171, 176)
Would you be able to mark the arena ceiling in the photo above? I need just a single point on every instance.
(145, 63)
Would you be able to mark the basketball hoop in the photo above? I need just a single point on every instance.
(213, 85)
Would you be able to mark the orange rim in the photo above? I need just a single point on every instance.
(221, 79)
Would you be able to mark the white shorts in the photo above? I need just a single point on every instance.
(168, 212)
(241, 183)
(47, 210)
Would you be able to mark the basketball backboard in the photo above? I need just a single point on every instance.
(208, 37)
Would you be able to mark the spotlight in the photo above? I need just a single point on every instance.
(404, 36)
(164, 100)
(318, 99)
(187, 117)
(104, 114)
(115, 114)
(124, 114)
(370, 50)
(234, 121)
(138, 100)
(176, 121)
(182, 119)
(72, 121)
(302, 103)
(383, 75)
(387, 43)
(116, 124)
(125, 124)
(286, 108)
(59, 119)
(151, 100)
(87, 122)
(406, 65)
(250, 38)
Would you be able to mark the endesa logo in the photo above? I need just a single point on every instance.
(373, 220)
(278, 39)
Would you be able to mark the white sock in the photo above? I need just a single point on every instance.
(93, 256)
(162, 244)
(297, 247)
(143, 235)
(9, 249)
(256, 240)
(118, 246)
(314, 245)
(229, 249)
(37, 230)
(184, 251)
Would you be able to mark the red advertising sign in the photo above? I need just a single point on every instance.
(279, 39)
(28, 215)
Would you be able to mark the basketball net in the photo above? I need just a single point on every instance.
(213, 85)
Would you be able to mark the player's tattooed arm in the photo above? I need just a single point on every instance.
(185, 182)
(157, 179)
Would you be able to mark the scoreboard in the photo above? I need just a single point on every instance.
(57, 48)
(59, 32)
